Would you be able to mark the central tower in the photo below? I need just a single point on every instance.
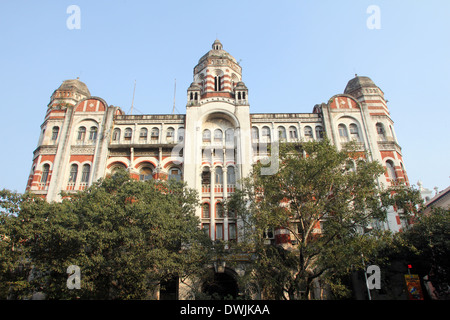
(217, 149)
(217, 74)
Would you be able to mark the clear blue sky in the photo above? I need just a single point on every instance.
(294, 55)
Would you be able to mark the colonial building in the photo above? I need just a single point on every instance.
(211, 146)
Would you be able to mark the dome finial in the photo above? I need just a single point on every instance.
(217, 45)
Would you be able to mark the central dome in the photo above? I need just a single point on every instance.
(217, 52)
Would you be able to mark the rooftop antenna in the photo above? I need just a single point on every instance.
(174, 95)
(132, 101)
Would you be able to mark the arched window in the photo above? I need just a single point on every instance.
(308, 133)
(206, 135)
(155, 134)
(319, 132)
(218, 83)
(293, 133)
(55, 132)
(81, 133)
(73, 173)
(219, 175)
(85, 173)
(128, 134)
(206, 176)
(145, 173)
(116, 134)
(343, 134)
(143, 134)
(265, 133)
(93, 134)
(354, 132)
(218, 135)
(381, 132)
(391, 170)
(174, 174)
(206, 211)
(219, 210)
(45, 173)
(281, 133)
(255, 133)
(170, 134)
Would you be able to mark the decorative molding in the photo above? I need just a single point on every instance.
(82, 150)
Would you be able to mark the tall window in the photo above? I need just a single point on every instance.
(232, 235)
(73, 173)
(308, 133)
(55, 132)
(265, 133)
(218, 135)
(219, 231)
(45, 173)
(143, 134)
(116, 134)
(293, 133)
(381, 132)
(219, 175)
(391, 170)
(231, 176)
(85, 173)
(81, 133)
(206, 228)
(206, 135)
(354, 132)
(343, 134)
(206, 176)
(93, 134)
(281, 133)
(155, 134)
(319, 132)
(255, 133)
(218, 83)
(170, 134)
(205, 210)
(219, 210)
(128, 134)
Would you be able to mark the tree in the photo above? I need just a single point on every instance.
(127, 236)
(426, 247)
(325, 198)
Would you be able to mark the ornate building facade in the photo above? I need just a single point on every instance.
(210, 147)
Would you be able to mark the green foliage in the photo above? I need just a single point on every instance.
(426, 245)
(315, 183)
(127, 237)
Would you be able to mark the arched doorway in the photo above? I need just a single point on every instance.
(221, 285)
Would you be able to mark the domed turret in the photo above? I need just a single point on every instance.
(360, 85)
(69, 92)
(217, 73)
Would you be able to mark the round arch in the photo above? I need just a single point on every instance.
(221, 283)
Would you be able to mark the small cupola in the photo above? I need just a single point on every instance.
(217, 45)
(193, 94)
(241, 93)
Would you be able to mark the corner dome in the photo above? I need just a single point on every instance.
(75, 85)
(359, 82)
